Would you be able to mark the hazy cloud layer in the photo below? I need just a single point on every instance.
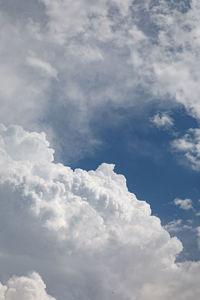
(87, 235)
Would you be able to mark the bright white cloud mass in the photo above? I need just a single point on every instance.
(102, 241)
(24, 288)
(73, 234)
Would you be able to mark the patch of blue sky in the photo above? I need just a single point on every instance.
(142, 153)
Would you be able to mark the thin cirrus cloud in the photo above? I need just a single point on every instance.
(84, 232)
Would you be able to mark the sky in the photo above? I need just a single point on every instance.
(99, 150)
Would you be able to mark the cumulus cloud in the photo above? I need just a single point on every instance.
(163, 120)
(24, 288)
(189, 147)
(184, 204)
(87, 235)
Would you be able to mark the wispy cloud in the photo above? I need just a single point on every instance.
(43, 66)
(174, 226)
(189, 147)
(184, 204)
(163, 120)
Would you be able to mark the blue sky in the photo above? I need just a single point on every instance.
(141, 151)
(85, 85)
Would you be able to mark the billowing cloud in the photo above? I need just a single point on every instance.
(84, 232)
(189, 147)
(24, 288)
(87, 235)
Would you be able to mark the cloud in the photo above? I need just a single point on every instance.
(24, 288)
(70, 59)
(162, 120)
(189, 147)
(185, 204)
(177, 226)
(198, 236)
(44, 66)
(174, 225)
(87, 235)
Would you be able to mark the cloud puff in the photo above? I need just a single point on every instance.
(162, 120)
(24, 288)
(87, 235)
(184, 204)
(189, 146)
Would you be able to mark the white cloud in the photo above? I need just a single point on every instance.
(102, 52)
(23, 93)
(163, 120)
(87, 235)
(176, 55)
(189, 146)
(84, 231)
(198, 236)
(177, 226)
(44, 66)
(174, 226)
(24, 288)
(184, 204)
